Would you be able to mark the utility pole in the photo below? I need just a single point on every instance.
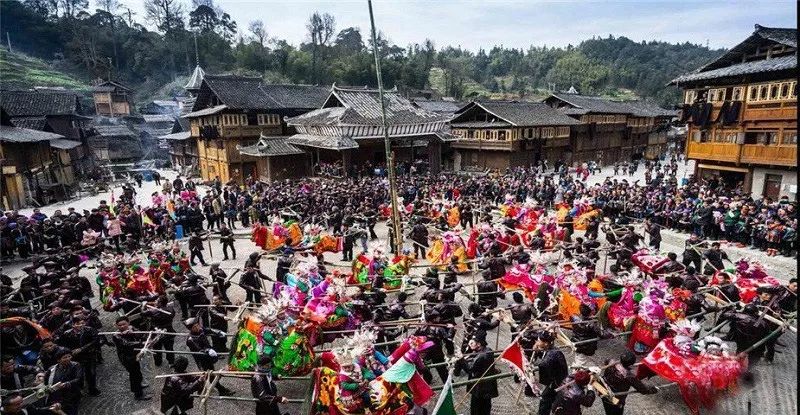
(398, 236)
(8, 39)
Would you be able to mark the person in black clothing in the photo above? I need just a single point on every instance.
(198, 342)
(570, 399)
(434, 354)
(585, 328)
(284, 264)
(477, 324)
(654, 231)
(218, 320)
(264, 389)
(194, 295)
(419, 235)
(48, 353)
(691, 254)
(553, 370)
(251, 282)
(226, 238)
(521, 313)
(348, 241)
(126, 344)
(787, 298)
(161, 316)
(714, 256)
(14, 404)
(176, 395)
(12, 375)
(83, 342)
(66, 378)
(488, 291)
(196, 248)
(466, 216)
(220, 280)
(478, 364)
(620, 377)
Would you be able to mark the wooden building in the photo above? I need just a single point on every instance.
(232, 112)
(57, 112)
(277, 159)
(348, 128)
(112, 99)
(115, 145)
(27, 164)
(610, 130)
(504, 134)
(741, 110)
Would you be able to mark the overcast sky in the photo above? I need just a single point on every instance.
(519, 24)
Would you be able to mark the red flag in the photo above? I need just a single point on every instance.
(515, 358)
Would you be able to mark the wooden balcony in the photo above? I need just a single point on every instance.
(785, 155)
(713, 151)
(248, 131)
(473, 144)
(784, 111)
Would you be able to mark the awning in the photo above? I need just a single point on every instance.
(24, 135)
(63, 144)
(725, 168)
(207, 111)
(324, 142)
(182, 135)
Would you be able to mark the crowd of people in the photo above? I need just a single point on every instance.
(51, 337)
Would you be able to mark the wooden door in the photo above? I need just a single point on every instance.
(772, 186)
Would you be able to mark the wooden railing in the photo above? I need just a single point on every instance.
(470, 143)
(249, 131)
(787, 111)
(784, 155)
(713, 151)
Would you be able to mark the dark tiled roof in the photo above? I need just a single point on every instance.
(25, 135)
(109, 86)
(297, 96)
(38, 103)
(182, 135)
(647, 109)
(238, 92)
(206, 111)
(324, 142)
(271, 146)
(767, 65)
(583, 104)
(113, 130)
(480, 124)
(444, 107)
(527, 113)
(34, 123)
(731, 60)
(346, 106)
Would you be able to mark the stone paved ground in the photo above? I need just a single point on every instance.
(774, 393)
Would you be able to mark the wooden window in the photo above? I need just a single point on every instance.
(501, 135)
(789, 137)
(774, 92)
(763, 92)
(793, 90)
(752, 93)
(737, 93)
(785, 87)
(716, 95)
(690, 96)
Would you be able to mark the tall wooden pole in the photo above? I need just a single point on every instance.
(398, 236)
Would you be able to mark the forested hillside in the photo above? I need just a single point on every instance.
(93, 43)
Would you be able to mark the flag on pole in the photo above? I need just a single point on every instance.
(146, 220)
(515, 358)
(445, 405)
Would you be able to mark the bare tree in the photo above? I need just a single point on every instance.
(321, 28)
(111, 7)
(167, 14)
(256, 27)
